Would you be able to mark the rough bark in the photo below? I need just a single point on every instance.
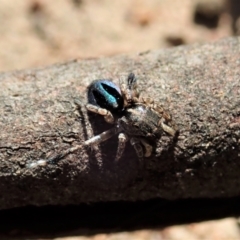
(198, 84)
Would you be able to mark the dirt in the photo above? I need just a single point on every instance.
(42, 32)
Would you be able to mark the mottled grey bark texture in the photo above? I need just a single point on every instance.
(199, 84)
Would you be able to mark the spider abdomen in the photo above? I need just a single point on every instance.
(105, 94)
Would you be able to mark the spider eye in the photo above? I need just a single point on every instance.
(105, 94)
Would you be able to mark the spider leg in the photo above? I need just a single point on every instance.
(102, 136)
(150, 103)
(135, 142)
(129, 89)
(122, 139)
(131, 81)
(56, 158)
(92, 141)
(132, 85)
(148, 147)
(167, 128)
(166, 117)
(104, 112)
(125, 93)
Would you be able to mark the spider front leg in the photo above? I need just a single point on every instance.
(104, 112)
(129, 89)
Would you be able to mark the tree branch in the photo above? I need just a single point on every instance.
(199, 85)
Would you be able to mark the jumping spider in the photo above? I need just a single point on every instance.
(134, 117)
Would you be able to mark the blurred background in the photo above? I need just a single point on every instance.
(42, 32)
